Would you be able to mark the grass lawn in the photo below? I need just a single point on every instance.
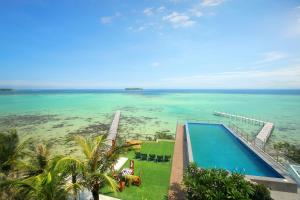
(155, 176)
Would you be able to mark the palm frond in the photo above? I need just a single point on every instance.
(111, 182)
(85, 146)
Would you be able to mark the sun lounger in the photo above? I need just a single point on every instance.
(120, 162)
(151, 157)
(167, 158)
(144, 156)
(137, 155)
(159, 158)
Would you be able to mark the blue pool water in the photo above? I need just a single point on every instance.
(213, 146)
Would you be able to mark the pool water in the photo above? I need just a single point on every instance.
(214, 146)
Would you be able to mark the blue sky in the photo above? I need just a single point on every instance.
(150, 43)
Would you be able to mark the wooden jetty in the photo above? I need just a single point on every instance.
(113, 131)
(264, 134)
(243, 118)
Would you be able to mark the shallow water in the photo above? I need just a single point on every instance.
(56, 115)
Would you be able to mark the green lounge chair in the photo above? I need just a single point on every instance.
(144, 156)
(151, 157)
(167, 158)
(159, 158)
(137, 155)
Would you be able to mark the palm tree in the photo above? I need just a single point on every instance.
(10, 153)
(9, 150)
(38, 177)
(98, 159)
(91, 172)
(48, 184)
(71, 169)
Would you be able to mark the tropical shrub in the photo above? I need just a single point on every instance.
(8, 146)
(212, 184)
(164, 135)
(260, 192)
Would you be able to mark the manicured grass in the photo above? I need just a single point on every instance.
(155, 176)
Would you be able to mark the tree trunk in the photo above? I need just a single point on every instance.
(95, 192)
(74, 180)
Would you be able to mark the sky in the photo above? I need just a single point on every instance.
(222, 44)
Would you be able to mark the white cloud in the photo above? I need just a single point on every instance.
(140, 28)
(106, 20)
(271, 57)
(179, 20)
(293, 24)
(118, 14)
(275, 78)
(160, 9)
(152, 11)
(109, 19)
(148, 11)
(212, 2)
(143, 27)
(155, 64)
(175, 1)
(195, 11)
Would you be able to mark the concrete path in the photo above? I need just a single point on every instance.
(277, 195)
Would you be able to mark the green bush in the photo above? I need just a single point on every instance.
(164, 135)
(260, 192)
(212, 184)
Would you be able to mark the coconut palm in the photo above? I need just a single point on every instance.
(10, 153)
(98, 159)
(72, 170)
(48, 184)
(9, 150)
(92, 171)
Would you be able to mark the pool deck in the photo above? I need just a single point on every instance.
(178, 164)
(278, 195)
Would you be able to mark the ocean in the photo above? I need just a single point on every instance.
(55, 116)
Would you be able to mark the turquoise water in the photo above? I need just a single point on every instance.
(54, 116)
(213, 146)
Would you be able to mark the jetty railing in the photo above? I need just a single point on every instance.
(268, 153)
(262, 136)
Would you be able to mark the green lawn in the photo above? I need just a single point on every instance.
(155, 176)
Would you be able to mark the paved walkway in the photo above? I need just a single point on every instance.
(178, 164)
(277, 195)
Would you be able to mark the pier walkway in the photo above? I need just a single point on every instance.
(231, 116)
(264, 134)
(113, 131)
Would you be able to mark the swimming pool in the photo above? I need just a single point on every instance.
(214, 146)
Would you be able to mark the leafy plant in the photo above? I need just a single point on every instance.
(260, 192)
(211, 184)
(164, 135)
